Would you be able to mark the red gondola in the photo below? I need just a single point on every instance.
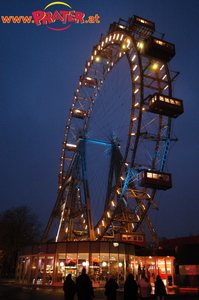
(141, 26)
(135, 238)
(154, 179)
(165, 105)
(159, 49)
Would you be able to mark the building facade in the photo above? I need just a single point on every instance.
(49, 264)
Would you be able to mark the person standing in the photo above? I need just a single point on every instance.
(145, 288)
(69, 288)
(84, 287)
(110, 288)
(160, 291)
(130, 288)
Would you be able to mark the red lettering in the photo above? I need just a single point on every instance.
(79, 17)
(5, 19)
(38, 16)
(71, 17)
(91, 19)
(97, 19)
(57, 16)
(64, 15)
(48, 18)
(26, 19)
(16, 19)
(42, 17)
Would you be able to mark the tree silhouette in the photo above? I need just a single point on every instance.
(19, 227)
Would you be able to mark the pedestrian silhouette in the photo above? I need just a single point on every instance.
(84, 287)
(145, 288)
(69, 288)
(160, 291)
(110, 288)
(130, 288)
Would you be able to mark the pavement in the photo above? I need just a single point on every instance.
(11, 291)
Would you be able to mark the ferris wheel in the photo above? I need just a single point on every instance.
(117, 137)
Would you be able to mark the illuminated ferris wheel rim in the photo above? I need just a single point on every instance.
(124, 43)
(151, 83)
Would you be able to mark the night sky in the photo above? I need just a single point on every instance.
(39, 72)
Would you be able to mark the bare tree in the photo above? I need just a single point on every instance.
(19, 227)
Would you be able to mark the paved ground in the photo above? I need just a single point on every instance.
(9, 291)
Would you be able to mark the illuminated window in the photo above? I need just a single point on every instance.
(144, 21)
(140, 20)
(124, 237)
(155, 176)
(159, 42)
(149, 175)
